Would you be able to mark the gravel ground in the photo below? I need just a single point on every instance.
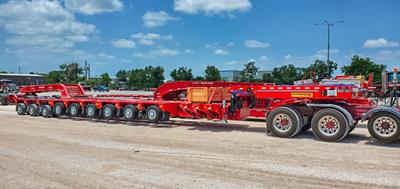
(36, 152)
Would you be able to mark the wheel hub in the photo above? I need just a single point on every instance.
(328, 125)
(282, 122)
(152, 114)
(385, 126)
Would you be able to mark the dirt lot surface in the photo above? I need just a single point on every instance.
(36, 152)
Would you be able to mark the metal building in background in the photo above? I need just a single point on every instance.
(23, 79)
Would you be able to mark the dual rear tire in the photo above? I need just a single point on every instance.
(327, 124)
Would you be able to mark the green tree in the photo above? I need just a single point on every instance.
(3, 72)
(149, 77)
(286, 74)
(53, 77)
(122, 75)
(105, 79)
(182, 74)
(320, 67)
(212, 74)
(267, 77)
(199, 78)
(249, 73)
(71, 73)
(364, 66)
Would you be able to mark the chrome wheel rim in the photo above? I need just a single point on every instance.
(73, 110)
(44, 111)
(107, 112)
(31, 110)
(58, 110)
(19, 109)
(385, 126)
(282, 122)
(328, 125)
(128, 113)
(90, 111)
(151, 114)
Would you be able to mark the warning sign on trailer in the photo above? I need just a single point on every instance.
(302, 94)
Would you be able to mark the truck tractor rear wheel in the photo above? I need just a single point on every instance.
(153, 114)
(33, 109)
(384, 127)
(91, 111)
(59, 109)
(46, 111)
(130, 112)
(284, 122)
(108, 111)
(329, 125)
(74, 110)
(21, 109)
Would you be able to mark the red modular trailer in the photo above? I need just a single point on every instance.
(331, 111)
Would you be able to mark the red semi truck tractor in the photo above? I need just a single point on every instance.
(330, 111)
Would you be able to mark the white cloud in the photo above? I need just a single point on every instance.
(251, 43)
(42, 26)
(379, 43)
(93, 6)
(162, 51)
(230, 44)
(211, 7)
(123, 43)
(188, 51)
(232, 62)
(154, 19)
(263, 58)
(149, 38)
(107, 56)
(221, 52)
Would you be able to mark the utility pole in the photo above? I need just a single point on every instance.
(19, 69)
(329, 24)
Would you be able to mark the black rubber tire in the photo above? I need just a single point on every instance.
(33, 109)
(91, 111)
(292, 114)
(386, 139)
(342, 121)
(74, 110)
(20, 108)
(165, 116)
(46, 111)
(130, 112)
(59, 109)
(153, 114)
(108, 111)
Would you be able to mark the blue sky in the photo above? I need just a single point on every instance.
(114, 34)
